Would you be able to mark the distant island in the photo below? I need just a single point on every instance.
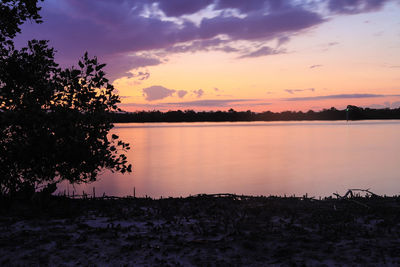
(350, 113)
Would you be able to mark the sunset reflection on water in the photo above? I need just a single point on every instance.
(255, 158)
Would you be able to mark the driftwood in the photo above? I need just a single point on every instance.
(365, 190)
(350, 195)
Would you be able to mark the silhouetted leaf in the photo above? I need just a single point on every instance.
(99, 67)
(75, 73)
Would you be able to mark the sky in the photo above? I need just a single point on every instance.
(243, 54)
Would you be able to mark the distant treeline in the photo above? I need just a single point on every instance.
(351, 113)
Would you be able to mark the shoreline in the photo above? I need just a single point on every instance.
(202, 230)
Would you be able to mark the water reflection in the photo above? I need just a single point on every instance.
(256, 158)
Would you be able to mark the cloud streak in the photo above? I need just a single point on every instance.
(263, 51)
(293, 91)
(338, 96)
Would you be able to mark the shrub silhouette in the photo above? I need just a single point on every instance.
(53, 121)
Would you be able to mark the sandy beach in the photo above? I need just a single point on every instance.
(204, 230)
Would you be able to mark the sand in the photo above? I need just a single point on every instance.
(201, 231)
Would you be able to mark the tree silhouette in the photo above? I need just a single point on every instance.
(13, 13)
(53, 121)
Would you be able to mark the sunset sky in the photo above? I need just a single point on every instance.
(243, 54)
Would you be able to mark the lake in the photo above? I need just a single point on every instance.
(255, 158)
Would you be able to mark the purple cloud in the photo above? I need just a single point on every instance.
(119, 65)
(282, 40)
(118, 27)
(157, 92)
(110, 31)
(263, 51)
(199, 93)
(315, 66)
(259, 26)
(355, 6)
(138, 75)
(121, 31)
(182, 93)
(141, 75)
(176, 8)
(247, 6)
(293, 91)
(202, 45)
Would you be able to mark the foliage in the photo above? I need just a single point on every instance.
(53, 121)
(13, 13)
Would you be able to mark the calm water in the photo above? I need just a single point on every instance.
(256, 158)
